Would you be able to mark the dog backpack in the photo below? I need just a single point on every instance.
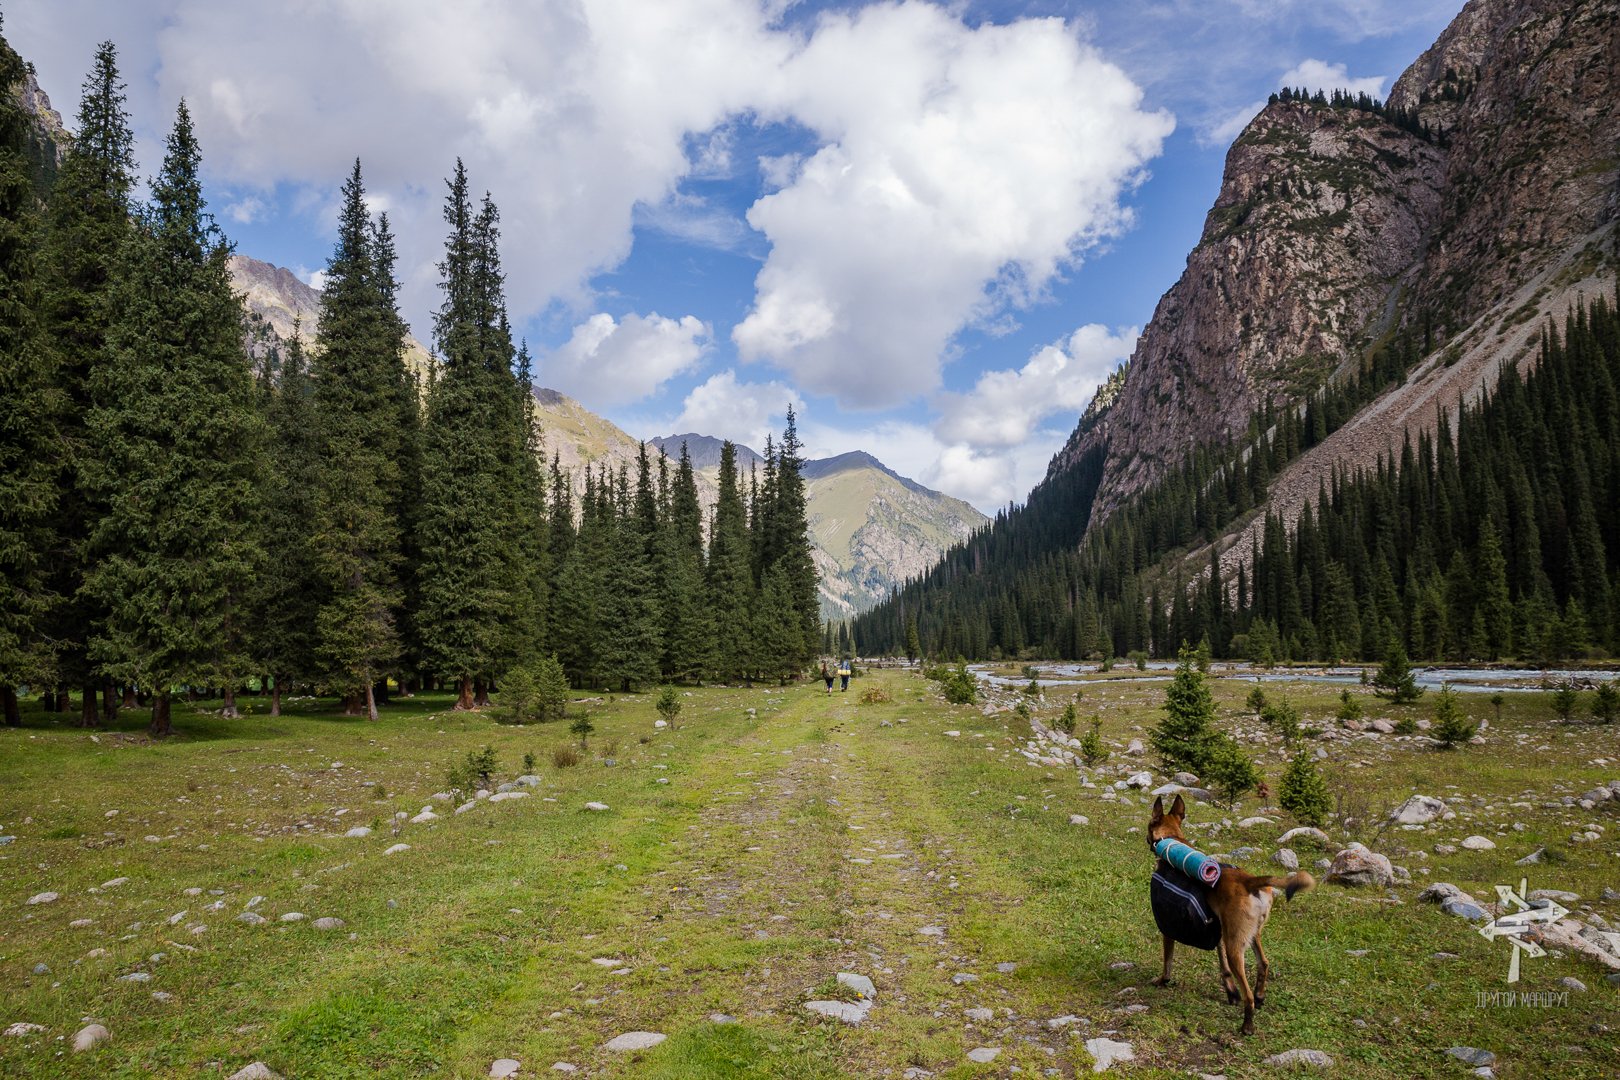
(1182, 910)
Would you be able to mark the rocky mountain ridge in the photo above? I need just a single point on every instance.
(1337, 228)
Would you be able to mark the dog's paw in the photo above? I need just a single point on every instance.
(1259, 1001)
(1162, 980)
(1233, 997)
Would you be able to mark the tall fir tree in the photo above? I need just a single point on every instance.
(30, 453)
(688, 625)
(357, 534)
(730, 578)
(88, 223)
(177, 439)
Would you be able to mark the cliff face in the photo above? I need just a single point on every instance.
(1335, 226)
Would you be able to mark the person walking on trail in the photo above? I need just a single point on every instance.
(826, 673)
(843, 675)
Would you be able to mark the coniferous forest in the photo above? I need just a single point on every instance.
(1496, 538)
(180, 512)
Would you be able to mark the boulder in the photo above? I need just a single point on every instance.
(1356, 866)
(1418, 810)
(1294, 1059)
(1286, 859)
(1479, 843)
(1304, 833)
(258, 1070)
(89, 1037)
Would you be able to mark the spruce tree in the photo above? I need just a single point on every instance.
(730, 578)
(176, 441)
(1451, 726)
(1185, 738)
(1394, 680)
(356, 528)
(1302, 792)
(688, 627)
(632, 630)
(88, 222)
(30, 455)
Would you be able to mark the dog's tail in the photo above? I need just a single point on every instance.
(1298, 881)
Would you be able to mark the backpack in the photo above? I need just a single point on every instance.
(1181, 908)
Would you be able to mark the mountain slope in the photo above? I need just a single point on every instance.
(1337, 228)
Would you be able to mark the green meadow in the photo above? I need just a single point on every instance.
(770, 839)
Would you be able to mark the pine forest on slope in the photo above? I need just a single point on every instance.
(1388, 367)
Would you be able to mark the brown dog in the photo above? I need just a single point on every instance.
(1242, 903)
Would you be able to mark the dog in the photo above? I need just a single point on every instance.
(1241, 903)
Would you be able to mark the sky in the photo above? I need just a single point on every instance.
(932, 229)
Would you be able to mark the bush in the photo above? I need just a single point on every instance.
(564, 757)
(1349, 706)
(669, 705)
(1450, 725)
(474, 772)
(1092, 750)
(1283, 719)
(528, 762)
(1303, 793)
(1033, 689)
(1139, 658)
(1031, 672)
(1065, 723)
(582, 727)
(1606, 703)
(1185, 737)
(1498, 699)
(1256, 701)
(1230, 769)
(1406, 725)
(1564, 698)
(960, 687)
(1394, 679)
(875, 695)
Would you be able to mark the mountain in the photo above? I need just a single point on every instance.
(704, 450)
(1480, 199)
(1389, 369)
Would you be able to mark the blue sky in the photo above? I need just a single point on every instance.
(934, 228)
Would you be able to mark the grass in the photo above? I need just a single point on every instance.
(816, 836)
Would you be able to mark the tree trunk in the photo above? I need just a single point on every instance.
(275, 698)
(8, 699)
(109, 703)
(229, 711)
(351, 704)
(371, 702)
(87, 708)
(379, 692)
(480, 694)
(47, 698)
(160, 716)
(129, 698)
(464, 698)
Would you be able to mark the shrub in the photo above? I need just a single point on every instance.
(1139, 658)
(1256, 701)
(1283, 719)
(1031, 672)
(474, 771)
(1349, 706)
(1606, 703)
(1498, 699)
(669, 705)
(534, 692)
(1185, 737)
(1230, 769)
(528, 761)
(1302, 792)
(564, 757)
(1092, 750)
(1406, 725)
(582, 727)
(1065, 723)
(960, 687)
(1564, 697)
(875, 695)
(1450, 725)
(1394, 679)
(1033, 689)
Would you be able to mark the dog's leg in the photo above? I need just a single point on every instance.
(1262, 969)
(1234, 960)
(1169, 951)
(1226, 976)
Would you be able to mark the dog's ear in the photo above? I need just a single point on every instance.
(1178, 808)
(1158, 811)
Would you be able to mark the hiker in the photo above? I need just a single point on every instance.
(826, 673)
(843, 675)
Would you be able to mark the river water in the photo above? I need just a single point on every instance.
(1462, 680)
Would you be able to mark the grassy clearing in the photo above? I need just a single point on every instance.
(810, 836)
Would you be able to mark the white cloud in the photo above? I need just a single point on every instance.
(742, 412)
(316, 279)
(1320, 75)
(615, 362)
(247, 210)
(962, 169)
(1004, 407)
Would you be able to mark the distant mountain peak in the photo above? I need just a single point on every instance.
(704, 450)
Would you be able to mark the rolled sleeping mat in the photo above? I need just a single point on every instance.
(1195, 864)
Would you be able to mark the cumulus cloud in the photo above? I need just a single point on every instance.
(742, 412)
(1005, 407)
(961, 169)
(615, 362)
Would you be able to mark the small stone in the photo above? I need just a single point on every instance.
(721, 1018)
(252, 918)
(294, 916)
(424, 817)
(162, 996)
(42, 969)
(1006, 967)
(1472, 1055)
(980, 1016)
(636, 1040)
(1105, 1052)
(504, 1067)
(1286, 859)
(840, 1010)
(397, 848)
(962, 978)
(18, 1030)
(1418, 810)
(984, 1055)
(564, 1067)
(507, 796)
(1569, 982)
(115, 882)
(1305, 832)
(1255, 822)
(1290, 1059)
(596, 806)
(45, 898)
(932, 931)
(1139, 780)
(1479, 843)
(1135, 748)
(858, 983)
(136, 977)
(1462, 909)
(359, 832)
(89, 1037)
(1079, 819)
(258, 1070)
(328, 923)
(1357, 866)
